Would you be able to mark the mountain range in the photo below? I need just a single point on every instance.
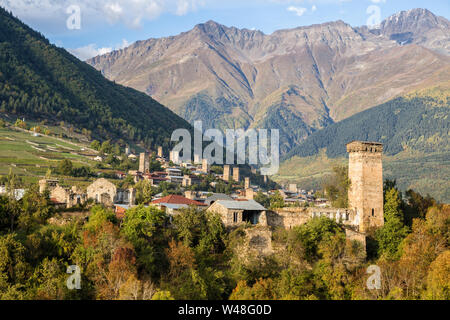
(297, 80)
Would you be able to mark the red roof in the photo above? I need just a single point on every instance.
(175, 199)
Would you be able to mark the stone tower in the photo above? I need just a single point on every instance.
(174, 156)
(365, 172)
(236, 176)
(226, 173)
(144, 162)
(205, 166)
(247, 183)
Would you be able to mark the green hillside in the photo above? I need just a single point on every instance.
(41, 81)
(414, 129)
(416, 122)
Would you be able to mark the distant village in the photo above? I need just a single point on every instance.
(105, 192)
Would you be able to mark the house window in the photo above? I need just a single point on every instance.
(235, 217)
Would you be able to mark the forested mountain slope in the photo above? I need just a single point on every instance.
(39, 80)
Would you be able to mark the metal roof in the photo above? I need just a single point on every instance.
(219, 196)
(241, 205)
(174, 205)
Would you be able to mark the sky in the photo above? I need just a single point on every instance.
(91, 27)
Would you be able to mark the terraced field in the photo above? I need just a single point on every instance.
(30, 156)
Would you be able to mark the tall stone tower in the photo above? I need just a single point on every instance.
(247, 183)
(365, 172)
(205, 166)
(144, 162)
(236, 176)
(226, 172)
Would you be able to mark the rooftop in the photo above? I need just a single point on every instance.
(176, 199)
(251, 205)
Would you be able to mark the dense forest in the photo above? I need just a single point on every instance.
(148, 255)
(419, 122)
(41, 81)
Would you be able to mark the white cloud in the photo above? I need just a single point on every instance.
(130, 12)
(297, 10)
(314, 8)
(91, 50)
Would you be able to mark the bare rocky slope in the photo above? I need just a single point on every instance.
(298, 80)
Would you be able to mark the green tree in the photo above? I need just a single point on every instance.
(337, 187)
(36, 208)
(144, 192)
(276, 201)
(12, 183)
(95, 145)
(313, 233)
(14, 269)
(106, 147)
(65, 167)
(390, 236)
(262, 199)
(144, 228)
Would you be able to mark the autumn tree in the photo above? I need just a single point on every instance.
(438, 281)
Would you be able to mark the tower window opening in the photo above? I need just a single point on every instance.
(373, 212)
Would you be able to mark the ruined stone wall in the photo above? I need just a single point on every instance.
(256, 242)
(259, 240)
(356, 236)
(288, 217)
(292, 217)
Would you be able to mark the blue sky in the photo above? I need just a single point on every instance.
(110, 24)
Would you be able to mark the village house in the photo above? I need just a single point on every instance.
(105, 192)
(235, 212)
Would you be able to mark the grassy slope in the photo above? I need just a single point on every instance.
(30, 157)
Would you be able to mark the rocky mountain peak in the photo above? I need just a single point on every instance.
(414, 21)
(419, 26)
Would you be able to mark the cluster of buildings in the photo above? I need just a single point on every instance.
(365, 194)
